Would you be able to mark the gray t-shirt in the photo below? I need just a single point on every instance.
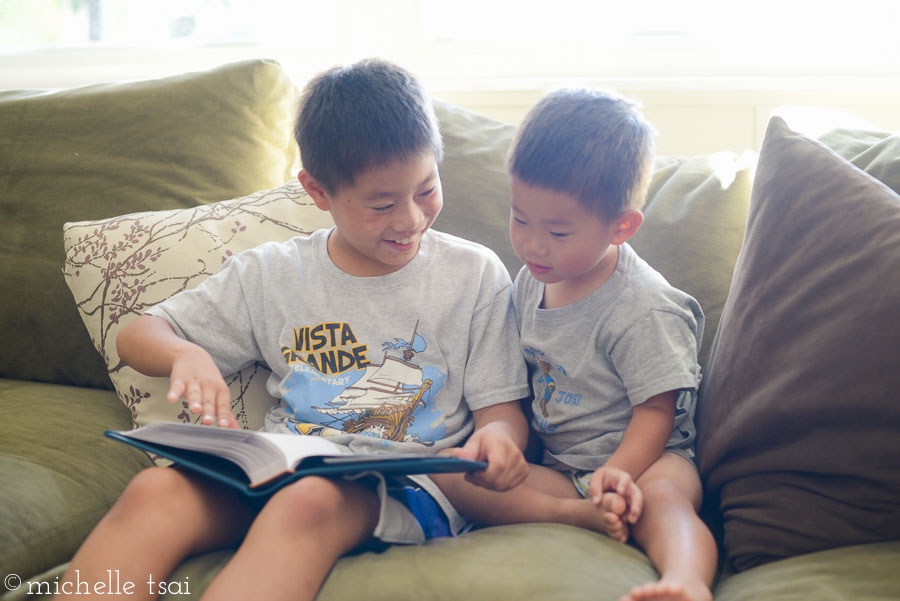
(590, 362)
(395, 363)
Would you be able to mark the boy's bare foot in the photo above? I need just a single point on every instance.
(669, 591)
(613, 506)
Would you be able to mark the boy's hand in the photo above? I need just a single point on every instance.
(507, 467)
(196, 378)
(613, 479)
(500, 435)
(149, 345)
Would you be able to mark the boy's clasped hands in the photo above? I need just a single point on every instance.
(614, 490)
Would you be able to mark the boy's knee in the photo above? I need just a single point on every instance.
(154, 488)
(667, 491)
(310, 501)
(661, 488)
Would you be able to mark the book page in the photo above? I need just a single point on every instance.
(259, 454)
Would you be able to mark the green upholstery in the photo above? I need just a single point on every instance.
(694, 223)
(875, 152)
(60, 473)
(473, 175)
(856, 573)
(104, 150)
(491, 563)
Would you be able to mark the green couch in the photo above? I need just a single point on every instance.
(798, 420)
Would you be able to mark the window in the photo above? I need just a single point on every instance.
(156, 22)
(666, 38)
(485, 41)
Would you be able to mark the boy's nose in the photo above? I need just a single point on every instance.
(536, 247)
(408, 216)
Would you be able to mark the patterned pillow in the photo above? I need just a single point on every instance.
(118, 267)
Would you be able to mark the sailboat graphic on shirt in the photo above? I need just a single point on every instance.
(382, 401)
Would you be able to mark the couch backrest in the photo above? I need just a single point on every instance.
(104, 150)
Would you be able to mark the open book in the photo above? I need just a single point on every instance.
(259, 463)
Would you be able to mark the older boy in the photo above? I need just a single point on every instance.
(365, 327)
(611, 347)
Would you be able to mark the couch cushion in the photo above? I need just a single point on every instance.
(797, 416)
(105, 150)
(55, 490)
(855, 573)
(116, 268)
(694, 224)
(473, 175)
(525, 562)
(875, 152)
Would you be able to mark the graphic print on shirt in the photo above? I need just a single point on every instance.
(335, 388)
(550, 390)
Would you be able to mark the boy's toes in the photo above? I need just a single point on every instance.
(668, 591)
(614, 503)
(616, 529)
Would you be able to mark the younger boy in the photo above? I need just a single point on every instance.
(381, 334)
(611, 347)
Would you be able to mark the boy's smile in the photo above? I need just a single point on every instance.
(381, 217)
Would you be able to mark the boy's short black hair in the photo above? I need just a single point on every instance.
(593, 145)
(369, 114)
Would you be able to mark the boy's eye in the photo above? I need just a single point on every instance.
(519, 221)
(382, 208)
(427, 192)
(559, 234)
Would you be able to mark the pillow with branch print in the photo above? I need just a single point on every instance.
(117, 268)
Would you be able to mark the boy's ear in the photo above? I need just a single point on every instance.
(627, 225)
(314, 189)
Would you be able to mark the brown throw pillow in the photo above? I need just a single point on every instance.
(799, 441)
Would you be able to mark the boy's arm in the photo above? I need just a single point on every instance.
(500, 436)
(647, 433)
(150, 345)
(642, 444)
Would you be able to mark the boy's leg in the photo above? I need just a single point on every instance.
(672, 534)
(162, 517)
(547, 495)
(296, 539)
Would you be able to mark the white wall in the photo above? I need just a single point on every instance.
(702, 116)
(692, 115)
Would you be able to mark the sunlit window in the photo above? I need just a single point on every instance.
(154, 22)
(685, 37)
(491, 39)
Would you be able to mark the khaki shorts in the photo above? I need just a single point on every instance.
(582, 479)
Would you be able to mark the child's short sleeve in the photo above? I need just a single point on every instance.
(656, 354)
(216, 315)
(495, 370)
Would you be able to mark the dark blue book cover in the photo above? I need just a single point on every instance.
(217, 453)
